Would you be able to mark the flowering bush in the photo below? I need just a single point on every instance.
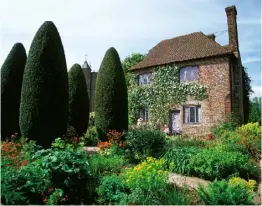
(249, 185)
(148, 175)
(103, 145)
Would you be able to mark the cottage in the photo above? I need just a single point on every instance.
(200, 59)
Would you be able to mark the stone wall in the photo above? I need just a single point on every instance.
(215, 74)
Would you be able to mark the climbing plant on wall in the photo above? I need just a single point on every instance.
(165, 92)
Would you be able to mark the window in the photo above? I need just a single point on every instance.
(189, 73)
(192, 114)
(145, 78)
(143, 114)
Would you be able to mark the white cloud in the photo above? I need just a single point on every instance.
(251, 60)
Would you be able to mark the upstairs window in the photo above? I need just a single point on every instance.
(143, 114)
(192, 114)
(144, 79)
(188, 73)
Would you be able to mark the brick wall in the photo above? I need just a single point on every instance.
(215, 74)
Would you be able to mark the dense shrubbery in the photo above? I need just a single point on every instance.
(78, 100)
(11, 82)
(144, 143)
(223, 193)
(44, 96)
(213, 163)
(111, 108)
(179, 159)
(91, 137)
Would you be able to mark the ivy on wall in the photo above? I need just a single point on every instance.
(165, 92)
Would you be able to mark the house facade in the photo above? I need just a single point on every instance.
(204, 61)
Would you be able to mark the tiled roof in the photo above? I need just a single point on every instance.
(191, 46)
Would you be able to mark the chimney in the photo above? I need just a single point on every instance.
(232, 27)
(211, 36)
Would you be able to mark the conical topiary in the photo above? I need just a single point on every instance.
(44, 98)
(11, 82)
(111, 96)
(78, 100)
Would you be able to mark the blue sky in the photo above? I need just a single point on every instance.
(91, 27)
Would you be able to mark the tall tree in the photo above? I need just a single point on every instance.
(255, 110)
(129, 62)
(44, 98)
(11, 82)
(111, 96)
(247, 91)
(78, 100)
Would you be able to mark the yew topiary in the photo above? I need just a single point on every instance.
(11, 82)
(44, 98)
(111, 96)
(78, 100)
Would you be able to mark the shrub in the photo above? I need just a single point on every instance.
(250, 185)
(144, 143)
(25, 185)
(91, 137)
(214, 163)
(106, 164)
(178, 159)
(180, 142)
(148, 175)
(69, 170)
(111, 190)
(11, 82)
(249, 136)
(111, 96)
(91, 119)
(78, 100)
(224, 127)
(223, 193)
(44, 96)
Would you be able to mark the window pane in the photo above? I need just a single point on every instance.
(186, 115)
(189, 73)
(192, 114)
(198, 114)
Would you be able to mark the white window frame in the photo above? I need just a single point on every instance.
(188, 71)
(197, 114)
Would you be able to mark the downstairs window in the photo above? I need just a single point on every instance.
(192, 114)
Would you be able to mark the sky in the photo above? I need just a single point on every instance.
(90, 27)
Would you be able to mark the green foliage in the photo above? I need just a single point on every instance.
(111, 190)
(91, 119)
(247, 91)
(223, 128)
(11, 82)
(184, 142)
(106, 164)
(222, 193)
(78, 100)
(249, 136)
(166, 196)
(111, 96)
(69, 169)
(255, 110)
(91, 137)
(129, 62)
(178, 159)
(165, 92)
(214, 163)
(143, 143)
(44, 96)
(25, 185)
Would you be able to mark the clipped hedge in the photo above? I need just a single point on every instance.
(44, 100)
(11, 82)
(78, 100)
(111, 96)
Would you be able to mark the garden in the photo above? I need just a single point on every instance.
(48, 129)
